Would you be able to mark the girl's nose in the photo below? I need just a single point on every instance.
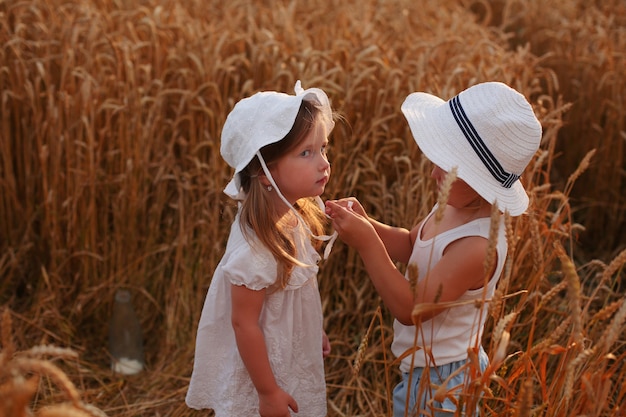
(325, 164)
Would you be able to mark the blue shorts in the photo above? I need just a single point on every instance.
(437, 375)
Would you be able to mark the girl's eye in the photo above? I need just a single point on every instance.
(305, 153)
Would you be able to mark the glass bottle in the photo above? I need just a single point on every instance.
(125, 336)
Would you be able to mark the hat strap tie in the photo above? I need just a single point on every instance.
(506, 179)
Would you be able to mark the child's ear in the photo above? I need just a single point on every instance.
(263, 180)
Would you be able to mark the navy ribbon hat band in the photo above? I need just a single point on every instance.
(506, 179)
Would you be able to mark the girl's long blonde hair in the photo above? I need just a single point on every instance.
(258, 214)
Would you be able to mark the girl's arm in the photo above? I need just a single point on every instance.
(397, 240)
(460, 268)
(246, 309)
(358, 232)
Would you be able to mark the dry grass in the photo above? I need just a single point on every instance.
(110, 177)
(25, 374)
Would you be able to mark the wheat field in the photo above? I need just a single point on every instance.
(111, 178)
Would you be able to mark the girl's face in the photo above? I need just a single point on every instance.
(461, 194)
(304, 171)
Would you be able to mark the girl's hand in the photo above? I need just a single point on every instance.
(276, 404)
(349, 203)
(353, 228)
(325, 345)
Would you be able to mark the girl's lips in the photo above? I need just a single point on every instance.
(323, 181)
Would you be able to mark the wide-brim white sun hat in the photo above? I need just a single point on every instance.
(489, 132)
(259, 120)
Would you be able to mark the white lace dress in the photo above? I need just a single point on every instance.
(291, 320)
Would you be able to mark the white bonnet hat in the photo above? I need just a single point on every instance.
(489, 132)
(259, 120)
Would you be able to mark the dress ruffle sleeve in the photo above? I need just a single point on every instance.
(252, 267)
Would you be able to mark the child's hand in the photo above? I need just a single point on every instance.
(276, 404)
(353, 228)
(325, 345)
(349, 203)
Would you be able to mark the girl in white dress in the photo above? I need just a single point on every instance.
(260, 343)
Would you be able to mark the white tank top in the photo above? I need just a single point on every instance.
(449, 334)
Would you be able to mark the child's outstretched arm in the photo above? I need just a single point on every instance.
(356, 231)
(247, 305)
(461, 267)
(397, 240)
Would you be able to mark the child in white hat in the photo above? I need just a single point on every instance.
(487, 134)
(260, 343)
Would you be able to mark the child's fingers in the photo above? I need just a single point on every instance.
(293, 405)
(335, 209)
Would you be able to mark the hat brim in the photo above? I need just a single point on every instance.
(233, 189)
(438, 136)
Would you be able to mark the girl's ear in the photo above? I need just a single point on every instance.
(263, 180)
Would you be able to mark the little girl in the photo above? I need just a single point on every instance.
(260, 343)
(488, 134)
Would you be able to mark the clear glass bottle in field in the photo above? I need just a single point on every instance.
(125, 336)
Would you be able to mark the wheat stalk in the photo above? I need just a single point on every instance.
(573, 295)
(444, 194)
(615, 330)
